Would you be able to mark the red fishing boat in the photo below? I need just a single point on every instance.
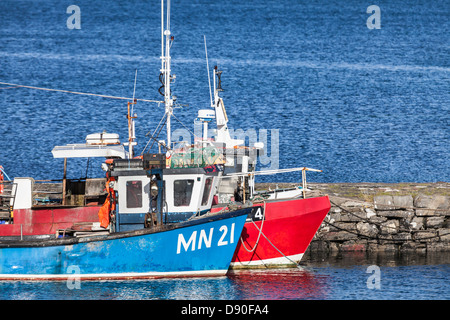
(279, 232)
(283, 221)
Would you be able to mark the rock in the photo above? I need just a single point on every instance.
(403, 236)
(386, 203)
(338, 201)
(425, 212)
(333, 247)
(444, 234)
(434, 222)
(396, 214)
(340, 236)
(423, 201)
(320, 246)
(417, 223)
(403, 202)
(357, 204)
(347, 217)
(383, 203)
(377, 219)
(425, 235)
(408, 246)
(405, 224)
(334, 217)
(390, 227)
(370, 213)
(335, 209)
(438, 203)
(344, 226)
(355, 210)
(367, 229)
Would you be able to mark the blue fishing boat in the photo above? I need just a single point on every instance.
(202, 246)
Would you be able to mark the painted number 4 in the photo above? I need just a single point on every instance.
(257, 214)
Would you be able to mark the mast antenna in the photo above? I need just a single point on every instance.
(207, 69)
(130, 117)
(165, 67)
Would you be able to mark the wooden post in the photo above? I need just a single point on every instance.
(243, 188)
(64, 183)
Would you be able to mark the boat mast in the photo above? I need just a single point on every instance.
(223, 134)
(165, 67)
(131, 126)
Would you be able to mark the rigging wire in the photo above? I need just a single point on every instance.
(152, 137)
(185, 126)
(76, 92)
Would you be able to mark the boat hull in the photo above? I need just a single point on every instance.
(200, 247)
(284, 234)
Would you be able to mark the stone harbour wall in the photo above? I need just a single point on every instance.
(385, 218)
(381, 217)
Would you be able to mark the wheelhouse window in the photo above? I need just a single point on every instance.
(182, 192)
(134, 194)
(206, 191)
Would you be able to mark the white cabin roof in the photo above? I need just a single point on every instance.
(89, 151)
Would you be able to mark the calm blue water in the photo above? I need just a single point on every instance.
(341, 280)
(360, 104)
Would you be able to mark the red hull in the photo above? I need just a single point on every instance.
(46, 220)
(286, 233)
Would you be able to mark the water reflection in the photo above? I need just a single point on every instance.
(279, 284)
(388, 259)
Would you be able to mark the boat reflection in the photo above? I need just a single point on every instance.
(279, 284)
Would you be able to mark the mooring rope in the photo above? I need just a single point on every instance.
(260, 232)
(297, 265)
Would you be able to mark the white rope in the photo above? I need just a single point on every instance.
(276, 247)
(76, 92)
(259, 235)
(260, 232)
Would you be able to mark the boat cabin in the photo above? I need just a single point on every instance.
(149, 194)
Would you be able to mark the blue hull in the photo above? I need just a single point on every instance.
(200, 247)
